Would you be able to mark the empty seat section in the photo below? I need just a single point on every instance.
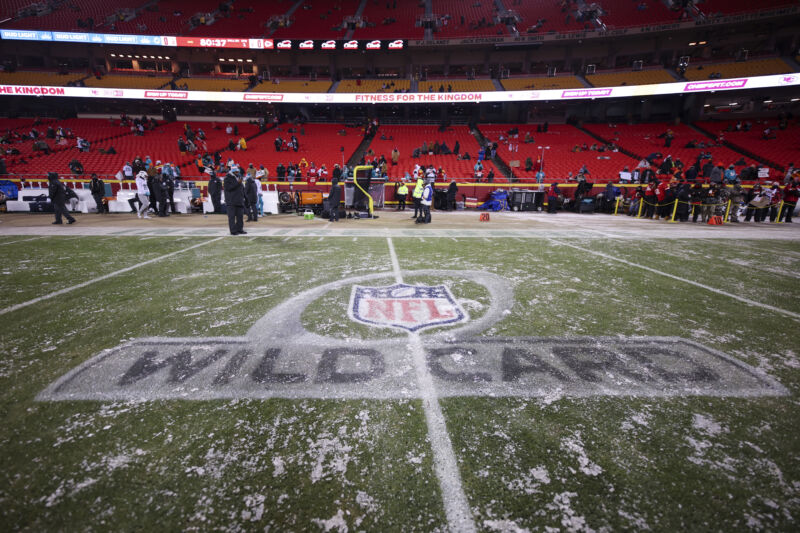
(559, 158)
(642, 77)
(392, 22)
(373, 86)
(65, 17)
(323, 21)
(244, 23)
(782, 150)
(407, 138)
(542, 83)
(293, 86)
(754, 67)
(212, 84)
(321, 144)
(725, 7)
(621, 13)
(457, 86)
(128, 81)
(169, 17)
(466, 18)
(643, 140)
(48, 79)
(554, 16)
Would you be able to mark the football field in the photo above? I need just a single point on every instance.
(575, 373)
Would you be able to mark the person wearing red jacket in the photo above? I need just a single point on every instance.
(661, 196)
(791, 193)
(650, 199)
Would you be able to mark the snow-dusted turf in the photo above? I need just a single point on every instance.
(610, 375)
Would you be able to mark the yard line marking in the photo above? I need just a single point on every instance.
(101, 278)
(684, 280)
(456, 506)
(21, 240)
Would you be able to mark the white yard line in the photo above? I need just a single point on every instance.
(456, 506)
(684, 280)
(21, 240)
(101, 278)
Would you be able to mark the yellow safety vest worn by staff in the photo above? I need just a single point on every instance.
(402, 190)
(418, 188)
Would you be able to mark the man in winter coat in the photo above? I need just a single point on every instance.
(425, 203)
(234, 201)
(251, 199)
(452, 191)
(58, 196)
(215, 191)
(334, 199)
(98, 189)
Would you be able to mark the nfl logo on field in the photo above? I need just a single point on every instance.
(408, 307)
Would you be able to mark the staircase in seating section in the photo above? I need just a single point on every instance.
(737, 148)
(501, 165)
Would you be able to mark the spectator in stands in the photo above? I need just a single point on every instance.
(769, 134)
(242, 144)
(625, 176)
(730, 175)
(749, 173)
(181, 145)
(82, 144)
(41, 146)
(717, 174)
(76, 167)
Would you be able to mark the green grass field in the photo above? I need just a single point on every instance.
(363, 459)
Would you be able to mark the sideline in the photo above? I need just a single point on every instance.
(21, 240)
(456, 506)
(101, 278)
(754, 303)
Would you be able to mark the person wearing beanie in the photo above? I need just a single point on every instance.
(58, 195)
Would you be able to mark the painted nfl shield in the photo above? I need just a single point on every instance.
(408, 307)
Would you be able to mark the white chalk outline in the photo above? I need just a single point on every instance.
(21, 240)
(754, 303)
(456, 506)
(103, 277)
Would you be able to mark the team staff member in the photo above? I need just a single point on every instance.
(234, 201)
(401, 193)
(58, 195)
(251, 199)
(425, 203)
(98, 189)
(417, 196)
(334, 198)
(143, 192)
(215, 191)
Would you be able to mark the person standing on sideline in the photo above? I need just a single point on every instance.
(234, 201)
(334, 198)
(251, 199)
(98, 189)
(790, 195)
(425, 203)
(400, 194)
(143, 192)
(417, 196)
(58, 195)
(452, 191)
(215, 192)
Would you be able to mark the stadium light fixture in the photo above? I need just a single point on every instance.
(701, 43)
(166, 57)
(130, 55)
(767, 101)
(113, 55)
(795, 99)
(692, 44)
(240, 60)
(160, 57)
(249, 60)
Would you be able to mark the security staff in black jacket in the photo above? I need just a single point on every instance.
(234, 201)
(251, 199)
(161, 187)
(98, 189)
(215, 192)
(58, 195)
(169, 193)
(154, 186)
